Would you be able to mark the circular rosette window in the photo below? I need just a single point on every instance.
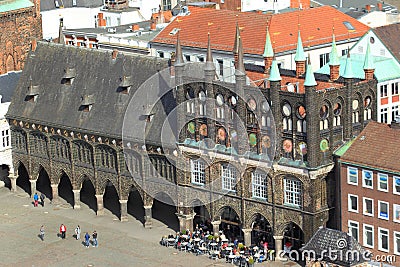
(253, 139)
(203, 130)
(301, 112)
(233, 136)
(287, 146)
(221, 134)
(324, 145)
(191, 127)
(302, 148)
(266, 141)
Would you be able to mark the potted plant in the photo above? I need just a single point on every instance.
(251, 261)
(240, 246)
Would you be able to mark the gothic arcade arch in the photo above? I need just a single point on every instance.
(111, 199)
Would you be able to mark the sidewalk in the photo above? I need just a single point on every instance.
(120, 244)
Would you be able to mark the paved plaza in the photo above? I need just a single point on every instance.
(120, 243)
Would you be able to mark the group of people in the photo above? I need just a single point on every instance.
(63, 232)
(36, 199)
(217, 246)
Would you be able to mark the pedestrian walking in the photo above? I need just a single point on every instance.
(42, 198)
(78, 232)
(63, 231)
(35, 200)
(87, 239)
(94, 235)
(41, 232)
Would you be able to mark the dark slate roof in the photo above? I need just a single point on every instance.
(389, 35)
(325, 240)
(8, 83)
(46, 5)
(97, 76)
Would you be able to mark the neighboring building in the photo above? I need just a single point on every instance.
(375, 19)
(361, 5)
(149, 7)
(20, 22)
(75, 139)
(334, 248)
(368, 175)
(283, 28)
(378, 50)
(8, 83)
(75, 15)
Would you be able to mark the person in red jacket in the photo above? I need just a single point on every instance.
(63, 230)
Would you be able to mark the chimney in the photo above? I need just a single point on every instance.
(334, 72)
(379, 4)
(101, 21)
(114, 54)
(368, 8)
(153, 25)
(33, 44)
(135, 27)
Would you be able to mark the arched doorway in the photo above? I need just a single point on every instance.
(65, 189)
(111, 199)
(23, 179)
(165, 213)
(262, 231)
(231, 224)
(88, 194)
(135, 204)
(294, 236)
(202, 217)
(43, 184)
(4, 172)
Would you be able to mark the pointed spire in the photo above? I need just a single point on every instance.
(369, 60)
(237, 36)
(240, 66)
(310, 78)
(178, 52)
(333, 57)
(300, 56)
(268, 50)
(61, 39)
(348, 69)
(274, 75)
(209, 57)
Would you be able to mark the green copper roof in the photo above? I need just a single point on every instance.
(385, 68)
(343, 148)
(9, 5)
(268, 50)
(310, 78)
(300, 56)
(274, 75)
(369, 60)
(334, 58)
(348, 68)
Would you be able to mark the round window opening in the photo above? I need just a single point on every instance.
(372, 40)
(337, 109)
(286, 110)
(252, 104)
(367, 101)
(220, 100)
(301, 111)
(323, 112)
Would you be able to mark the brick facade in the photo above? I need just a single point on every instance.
(18, 28)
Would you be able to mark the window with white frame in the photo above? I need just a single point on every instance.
(352, 175)
(384, 90)
(368, 235)
(368, 206)
(367, 178)
(353, 203)
(396, 185)
(396, 213)
(323, 59)
(197, 170)
(383, 239)
(395, 88)
(384, 115)
(383, 210)
(396, 241)
(5, 134)
(228, 174)
(353, 229)
(293, 191)
(259, 185)
(221, 67)
(382, 182)
(395, 112)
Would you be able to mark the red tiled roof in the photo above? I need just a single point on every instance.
(377, 146)
(315, 25)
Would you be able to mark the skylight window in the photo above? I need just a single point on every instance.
(349, 26)
(174, 31)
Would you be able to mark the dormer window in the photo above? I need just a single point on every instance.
(69, 76)
(33, 92)
(125, 85)
(87, 102)
(148, 113)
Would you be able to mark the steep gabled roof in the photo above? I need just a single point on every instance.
(8, 83)
(283, 29)
(379, 140)
(389, 35)
(96, 75)
(340, 244)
